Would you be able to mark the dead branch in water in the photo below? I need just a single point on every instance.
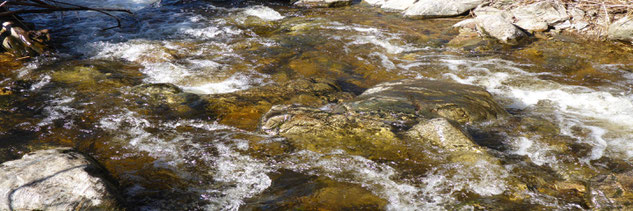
(51, 6)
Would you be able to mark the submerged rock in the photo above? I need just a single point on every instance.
(323, 131)
(56, 179)
(243, 109)
(622, 30)
(612, 191)
(295, 191)
(322, 3)
(436, 8)
(413, 98)
(166, 100)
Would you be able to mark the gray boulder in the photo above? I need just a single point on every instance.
(56, 179)
(322, 3)
(438, 8)
(376, 3)
(498, 27)
(621, 30)
(539, 16)
(397, 5)
(415, 98)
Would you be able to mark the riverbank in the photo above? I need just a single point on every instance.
(510, 21)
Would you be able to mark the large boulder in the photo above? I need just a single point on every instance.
(539, 16)
(393, 121)
(622, 29)
(56, 179)
(322, 3)
(415, 98)
(436, 8)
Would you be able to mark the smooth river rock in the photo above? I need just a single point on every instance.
(322, 3)
(439, 8)
(397, 5)
(55, 179)
(414, 98)
(622, 30)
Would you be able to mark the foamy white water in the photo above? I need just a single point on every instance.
(605, 114)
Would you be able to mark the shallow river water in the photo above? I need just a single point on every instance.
(571, 105)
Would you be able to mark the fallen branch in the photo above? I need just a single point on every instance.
(45, 7)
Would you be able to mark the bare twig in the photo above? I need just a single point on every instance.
(102, 11)
(43, 6)
(606, 13)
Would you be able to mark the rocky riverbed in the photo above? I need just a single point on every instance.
(265, 105)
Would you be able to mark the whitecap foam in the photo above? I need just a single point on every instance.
(606, 114)
(232, 84)
(59, 108)
(140, 51)
(433, 192)
(236, 176)
(538, 153)
(246, 176)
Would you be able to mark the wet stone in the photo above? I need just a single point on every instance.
(56, 179)
(611, 191)
(621, 29)
(296, 191)
(371, 124)
(163, 97)
(441, 132)
(436, 9)
(321, 131)
(243, 109)
(414, 98)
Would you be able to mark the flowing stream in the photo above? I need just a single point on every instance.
(166, 157)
